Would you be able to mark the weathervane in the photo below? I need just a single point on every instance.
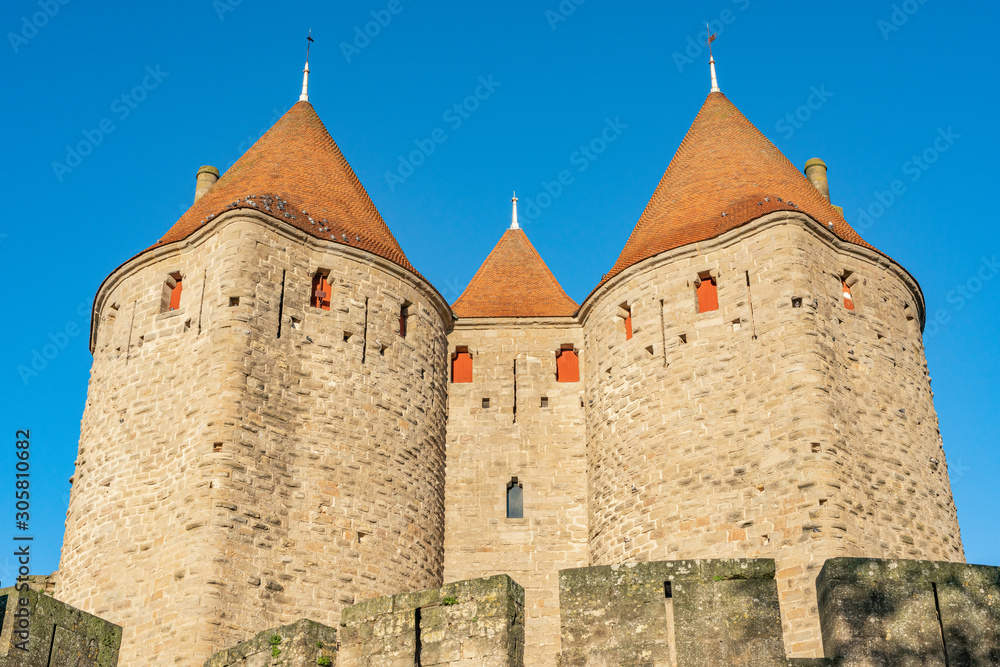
(304, 97)
(711, 58)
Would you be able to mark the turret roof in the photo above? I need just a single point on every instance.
(725, 173)
(296, 173)
(514, 282)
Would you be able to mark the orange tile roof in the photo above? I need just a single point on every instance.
(296, 173)
(514, 282)
(725, 174)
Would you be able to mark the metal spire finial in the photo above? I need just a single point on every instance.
(513, 215)
(304, 97)
(711, 58)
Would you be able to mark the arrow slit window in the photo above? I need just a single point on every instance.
(319, 296)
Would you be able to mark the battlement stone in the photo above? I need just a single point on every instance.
(688, 613)
(57, 634)
(300, 644)
(477, 622)
(909, 612)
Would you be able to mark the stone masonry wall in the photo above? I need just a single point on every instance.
(749, 431)
(544, 447)
(672, 613)
(39, 631)
(477, 623)
(230, 480)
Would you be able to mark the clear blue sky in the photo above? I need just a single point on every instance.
(225, 69)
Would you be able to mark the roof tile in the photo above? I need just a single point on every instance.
(296, 173)
(726, 173)
(514, 282)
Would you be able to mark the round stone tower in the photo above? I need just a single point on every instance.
(263, 438)
(756, 381)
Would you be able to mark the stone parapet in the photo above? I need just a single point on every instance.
(478, 622)
(905, 612)
(690, 613)
(304, 643)
(39, 631)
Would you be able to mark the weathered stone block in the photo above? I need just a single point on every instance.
(304, 643)
(898, 613)
(685, 613)
(43, 632)
(478, 622)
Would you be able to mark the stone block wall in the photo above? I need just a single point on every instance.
(544, 446)
(304, 643)
(670, 613)
(903, 613)
(780, 425)
(39, 631)
(477, 623)
(229, 478)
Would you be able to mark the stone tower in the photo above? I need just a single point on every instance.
(275, 388)
(516, 492)
(756, 382)
(264, 433)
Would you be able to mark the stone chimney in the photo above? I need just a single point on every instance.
(816, 173)
(207, 176)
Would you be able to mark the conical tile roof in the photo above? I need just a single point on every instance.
(296, 173)
(514, 282)
(725, 173)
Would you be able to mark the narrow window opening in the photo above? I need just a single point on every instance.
(650, 350)
(848, 299)
(404, 312)
(172, 288)
(296, 322)
(234, 301)
(461, 365)
(381, 350)
(361, 537)
(796, 302)
(684, 338)
(937, 612)
(187, 324)
(201, 303)
(581, 402)
(418, 648)
(815, 448)
(109, 323)
(321, 291)
(486, 402)
(515, 499)
(217, 447)
(753, 325)
(668, 600)
(281, 304)
(347, 336)
(545, 401)
(514, 412)
(625, 312)
(736, 325)
(364, 337)
(822, 502)
(567, 364)
(708, 293)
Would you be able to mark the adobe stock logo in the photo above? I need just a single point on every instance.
(381, 18)
(56, 342)
(455, 116)
(794, 121)
(122, 106)
(30, 25)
